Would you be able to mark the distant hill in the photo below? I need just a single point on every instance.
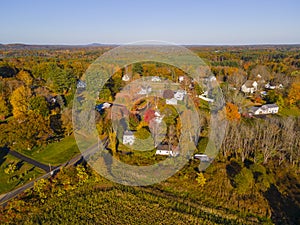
(96, 44)
(20, 46)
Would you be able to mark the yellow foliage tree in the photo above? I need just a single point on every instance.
(25, 77)
(294, 93)
(142, 124)
(20, 101)
(201, 180)
(113, 142)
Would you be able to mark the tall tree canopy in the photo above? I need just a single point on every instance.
(20, 101)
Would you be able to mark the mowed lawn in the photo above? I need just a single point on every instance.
(55, 153)
(24, 173)
(289, 111)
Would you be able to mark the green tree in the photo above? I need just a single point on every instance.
(58, 78)
(137, 68)
(143, 140)
(133, 121)
(272, 97)
(142, 133)
(4, 110)
(244, 181)
(263, 180)
(105, 94)
(39, 105)
(66, 118)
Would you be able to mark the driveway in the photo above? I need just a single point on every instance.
(29, 160)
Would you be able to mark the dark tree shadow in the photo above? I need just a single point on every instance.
(285, 209)
(56, 124)
(19, 164)
(3, 152)
(31, 169)
(232, 170)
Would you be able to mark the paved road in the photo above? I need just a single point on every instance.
(74, 161)
(29, 160)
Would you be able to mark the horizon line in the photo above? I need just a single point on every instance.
(130, 43)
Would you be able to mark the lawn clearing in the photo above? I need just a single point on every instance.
(289, 111)
(23, 173)
(55, 153)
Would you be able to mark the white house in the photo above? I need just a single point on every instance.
(145, 90)
(128, 137)
(106, 105)
(272, 86)
(125, 77)
(205, 98)
(212, 78)
(202, 157)
(158, 117)
(264, 109)
(166, 150)
(81, 84)
(269, 86)
(181, 78)
(100, 108)
(179, 95)
(156, 79)
(263, 93)
(171, 101)
(157, 113)
(249, 87)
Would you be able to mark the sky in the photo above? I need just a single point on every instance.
(203, 22)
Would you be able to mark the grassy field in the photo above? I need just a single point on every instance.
(55, 153)
(289, 112)
(24, 172)
(114, 204)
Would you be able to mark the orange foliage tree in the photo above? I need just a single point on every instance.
(232, 112)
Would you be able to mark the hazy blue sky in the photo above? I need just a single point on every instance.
(182, 22)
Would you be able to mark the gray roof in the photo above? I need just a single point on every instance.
(128, 132)
(253, 109)
(168, 94)
(267, 106)
(164, 147)
(249, 83)
(271, 106)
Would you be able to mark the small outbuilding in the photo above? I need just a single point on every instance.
(128, 137)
